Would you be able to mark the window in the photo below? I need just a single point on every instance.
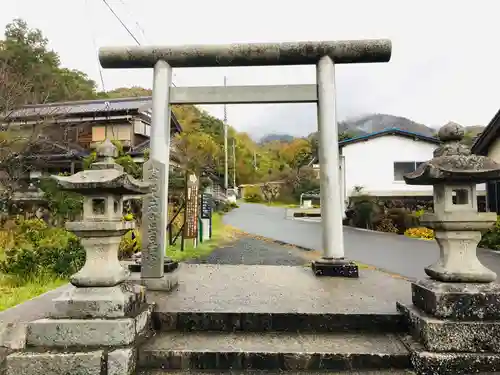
(98, 133)
(403, 167)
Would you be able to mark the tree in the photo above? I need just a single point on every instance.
(297, 153)
(126, 92)
(197, 151)
(30, 74)
(25, 52)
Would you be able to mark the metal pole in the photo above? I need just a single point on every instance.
(330, 190)
(156, 170)
(226, 177)
(234, 163)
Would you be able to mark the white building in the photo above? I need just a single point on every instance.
(376, 163)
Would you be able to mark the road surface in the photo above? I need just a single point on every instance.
(393, 253)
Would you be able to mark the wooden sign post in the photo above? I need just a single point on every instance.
(191, 212)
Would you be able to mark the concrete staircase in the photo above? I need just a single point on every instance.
(349, 343)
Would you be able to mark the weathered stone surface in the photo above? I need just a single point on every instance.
(144, 323)
(13, 335)
(430, 363)
(168, 266)
(462, 301)
(335, 268)
(273, 351)
(166, 283)
(61, 333)
(266, 289)
(55, 363)
(154, 220)
(267, 372)
(122, 361)
(252, 54)
(113, 302)
(452, 336)
(278, 322)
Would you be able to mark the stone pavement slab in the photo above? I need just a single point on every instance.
(274, 289)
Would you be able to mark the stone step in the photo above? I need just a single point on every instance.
(273, 351)
(263, 372)
(187, 321)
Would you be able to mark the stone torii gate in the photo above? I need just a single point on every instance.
(322, 54)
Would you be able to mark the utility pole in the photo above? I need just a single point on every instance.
(225, 143)
(234, 163)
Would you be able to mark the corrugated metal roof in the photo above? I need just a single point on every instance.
(390, 131)
(140, 104)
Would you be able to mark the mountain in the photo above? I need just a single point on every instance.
(375, 123)
(378, 122)
(276, 137)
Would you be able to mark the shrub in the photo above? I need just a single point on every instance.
(127, 248)
(402, 219)
(364, 211)
(40, 250)
(491, 239)
(420, 232)
(253, 194)
(386, 225)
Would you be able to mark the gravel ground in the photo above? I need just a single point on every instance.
(251, 251)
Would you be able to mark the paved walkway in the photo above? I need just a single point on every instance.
(398, 254)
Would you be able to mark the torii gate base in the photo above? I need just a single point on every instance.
(322, 54)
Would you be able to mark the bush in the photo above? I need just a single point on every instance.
(253, 194)
(40, 250)
(364, 211)
(491, 239)
(402, 219)
(127, 248)
(386, 225)
(420, 232)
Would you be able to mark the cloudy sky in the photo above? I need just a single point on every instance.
(444, 67)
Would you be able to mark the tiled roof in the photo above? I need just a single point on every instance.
(140, 105)
(137, 104)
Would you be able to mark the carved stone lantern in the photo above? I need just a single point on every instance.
(455, 314)
(454, 172)
(103, 187)
(100, 311)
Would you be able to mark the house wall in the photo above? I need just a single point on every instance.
(370, 165)
(493, 187)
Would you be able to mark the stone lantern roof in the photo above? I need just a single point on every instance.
(454, 162)
(103, 176)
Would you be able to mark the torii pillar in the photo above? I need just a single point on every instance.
(322, 54)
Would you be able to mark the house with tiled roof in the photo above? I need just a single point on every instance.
(70, 130)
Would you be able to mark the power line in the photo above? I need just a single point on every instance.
(122, 23)
(141, 29)
(126, 28)
(92, 31)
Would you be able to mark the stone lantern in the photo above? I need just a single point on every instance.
(103, 187)
(100, 310)
(454, 172)
(455, 315)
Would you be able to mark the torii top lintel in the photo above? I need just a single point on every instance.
(252, 54)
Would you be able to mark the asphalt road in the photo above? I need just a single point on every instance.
(397, 254)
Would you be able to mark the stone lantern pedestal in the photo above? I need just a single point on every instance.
(96, 323)
(454, 320)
